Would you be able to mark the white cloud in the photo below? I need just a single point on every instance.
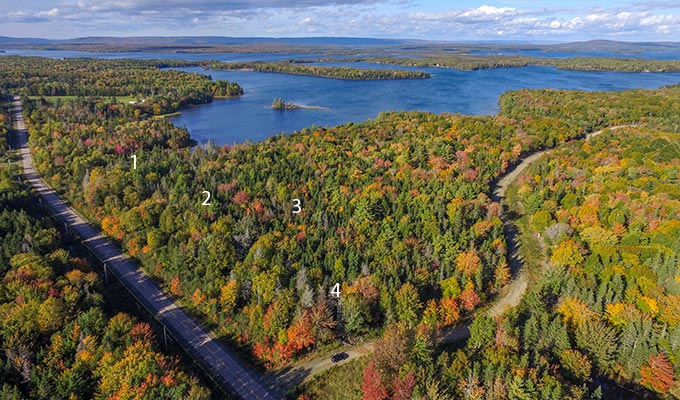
(51, 13)
(484, 12)
(486, 21)
(637, 21)
(32, 17)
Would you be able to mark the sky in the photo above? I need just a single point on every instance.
(537, 21)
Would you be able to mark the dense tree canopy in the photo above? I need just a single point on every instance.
(332, 233)
(55, 339)
(154, 90)
(603, 316)
(473, 62)
(348, 73)
(390, 209)
(614, 209)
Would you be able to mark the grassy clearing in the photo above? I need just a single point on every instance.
(338, 383)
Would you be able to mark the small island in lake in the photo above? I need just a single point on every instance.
(280, 104)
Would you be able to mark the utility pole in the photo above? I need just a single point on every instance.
(106, 274)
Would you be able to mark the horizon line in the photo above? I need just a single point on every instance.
(434, 41)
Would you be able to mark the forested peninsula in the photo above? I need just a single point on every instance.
(151, 87)
(348, 73)
(469, 63)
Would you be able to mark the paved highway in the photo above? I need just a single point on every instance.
(224, 368)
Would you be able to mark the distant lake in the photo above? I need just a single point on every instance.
(250, 117)
(467, 92)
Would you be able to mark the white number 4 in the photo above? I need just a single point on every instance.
(336, 290)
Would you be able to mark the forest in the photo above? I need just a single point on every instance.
(601, 317)
(263, 275)
(474, 62)
(156, 90)
(254, 269)
(413, 183)
(348, 73)
(5, 156)
(58, 337)
(387, 227)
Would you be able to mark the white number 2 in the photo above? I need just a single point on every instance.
(206, 202)
(297, 206)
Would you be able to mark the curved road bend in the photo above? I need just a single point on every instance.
(224, 368)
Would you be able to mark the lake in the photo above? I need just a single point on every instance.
(251, 118)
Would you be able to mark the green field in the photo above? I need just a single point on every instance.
(336, 383)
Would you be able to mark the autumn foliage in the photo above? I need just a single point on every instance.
(658, 373)
(56, 339)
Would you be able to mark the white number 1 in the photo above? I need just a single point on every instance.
(134, 161)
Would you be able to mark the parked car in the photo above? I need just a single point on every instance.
(337, 357)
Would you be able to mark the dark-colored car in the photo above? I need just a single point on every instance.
(337, 357)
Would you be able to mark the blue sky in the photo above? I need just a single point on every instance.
(563, 20)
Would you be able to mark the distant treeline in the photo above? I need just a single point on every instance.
(274, 48)
(466, 62)
(349, 73)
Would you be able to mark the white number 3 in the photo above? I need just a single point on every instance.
(297, 206)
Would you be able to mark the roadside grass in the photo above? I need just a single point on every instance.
(342, 382)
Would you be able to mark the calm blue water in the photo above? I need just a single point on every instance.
(250, 117)
(468, 92)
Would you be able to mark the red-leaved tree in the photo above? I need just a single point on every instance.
(658, 373)
(403, 387)
(373, 386)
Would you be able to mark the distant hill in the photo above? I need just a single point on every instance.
(5, 40)
(315, 44)
(613, 45)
